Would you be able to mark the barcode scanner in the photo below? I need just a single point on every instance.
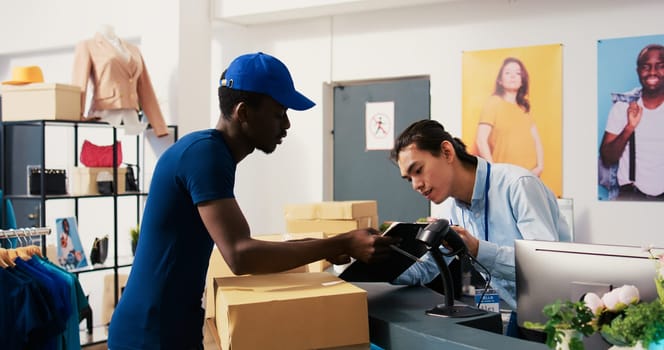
(439, 232)
(433, 235)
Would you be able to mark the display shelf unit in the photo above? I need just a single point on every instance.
(24, 143)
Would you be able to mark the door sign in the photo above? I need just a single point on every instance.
(379, 125)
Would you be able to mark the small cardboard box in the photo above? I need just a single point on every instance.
(290, 311)
(47, 101)
(84, 180)
(331, 227)
(348, 209)
(331, 210)
(301, 211)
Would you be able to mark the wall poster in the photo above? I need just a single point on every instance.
(512, 108)
(630, 118)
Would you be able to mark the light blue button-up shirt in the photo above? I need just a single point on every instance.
(520, 206)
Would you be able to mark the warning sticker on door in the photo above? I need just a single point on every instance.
(379, 125)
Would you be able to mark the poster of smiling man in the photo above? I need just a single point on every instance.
(630, 120)
(512, 108)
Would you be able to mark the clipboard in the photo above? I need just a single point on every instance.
(394, 265)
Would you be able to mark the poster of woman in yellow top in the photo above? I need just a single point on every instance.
(512, 108)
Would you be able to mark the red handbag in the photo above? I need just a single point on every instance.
(100, 156)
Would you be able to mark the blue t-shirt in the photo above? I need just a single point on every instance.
(24, 312)
(57, 292)
(70, 338)
(160, 307)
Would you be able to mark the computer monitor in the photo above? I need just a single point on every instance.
(546, 271)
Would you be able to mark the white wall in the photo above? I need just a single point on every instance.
(293, 173)
(429, 40)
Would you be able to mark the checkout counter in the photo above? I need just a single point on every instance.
(397, 320)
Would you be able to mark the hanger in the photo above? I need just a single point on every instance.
(3, 264)
(6, 259)
(34, 250)
(27, 249)
(23, 248)
(8, 235)
(23, 238)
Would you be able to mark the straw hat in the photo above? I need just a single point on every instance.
(25, 75)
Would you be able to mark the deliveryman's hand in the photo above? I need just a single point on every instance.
(368, 245)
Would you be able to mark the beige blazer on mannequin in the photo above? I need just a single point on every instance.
(118, 83)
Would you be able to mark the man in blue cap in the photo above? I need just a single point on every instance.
(192, 207)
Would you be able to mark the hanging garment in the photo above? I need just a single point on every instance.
(41, 303)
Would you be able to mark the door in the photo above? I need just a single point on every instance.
(359, 173)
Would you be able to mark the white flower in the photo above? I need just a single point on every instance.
(610, 300)
(594, 303)
(629, 294)
(619, 298)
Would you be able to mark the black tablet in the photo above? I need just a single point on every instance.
(389, 269)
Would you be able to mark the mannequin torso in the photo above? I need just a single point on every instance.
(118, 117)
(108, 33)
(120, 83)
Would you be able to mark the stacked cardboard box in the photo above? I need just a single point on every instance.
(330, 218)
(291, 311)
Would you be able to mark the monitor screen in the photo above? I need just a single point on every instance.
(546, 271)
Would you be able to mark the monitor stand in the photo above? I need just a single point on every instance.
(455, 311)
(449, 309)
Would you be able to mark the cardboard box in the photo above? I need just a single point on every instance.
(301, 211)
(218, 268)
(331, 227)
(48, 101)
(108, 304)
(290, 311)
(348, 209)
(331, 210)
(84, 180)
(211, 339)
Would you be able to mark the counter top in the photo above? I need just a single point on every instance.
(397, 320)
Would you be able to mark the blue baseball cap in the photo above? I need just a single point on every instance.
(265, 74)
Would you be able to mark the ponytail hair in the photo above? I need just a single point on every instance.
(427, 135)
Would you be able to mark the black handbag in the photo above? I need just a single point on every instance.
(55, 181)
(99, 250)
(131, 183)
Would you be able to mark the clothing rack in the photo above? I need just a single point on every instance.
(25, 232)
(86, 314)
